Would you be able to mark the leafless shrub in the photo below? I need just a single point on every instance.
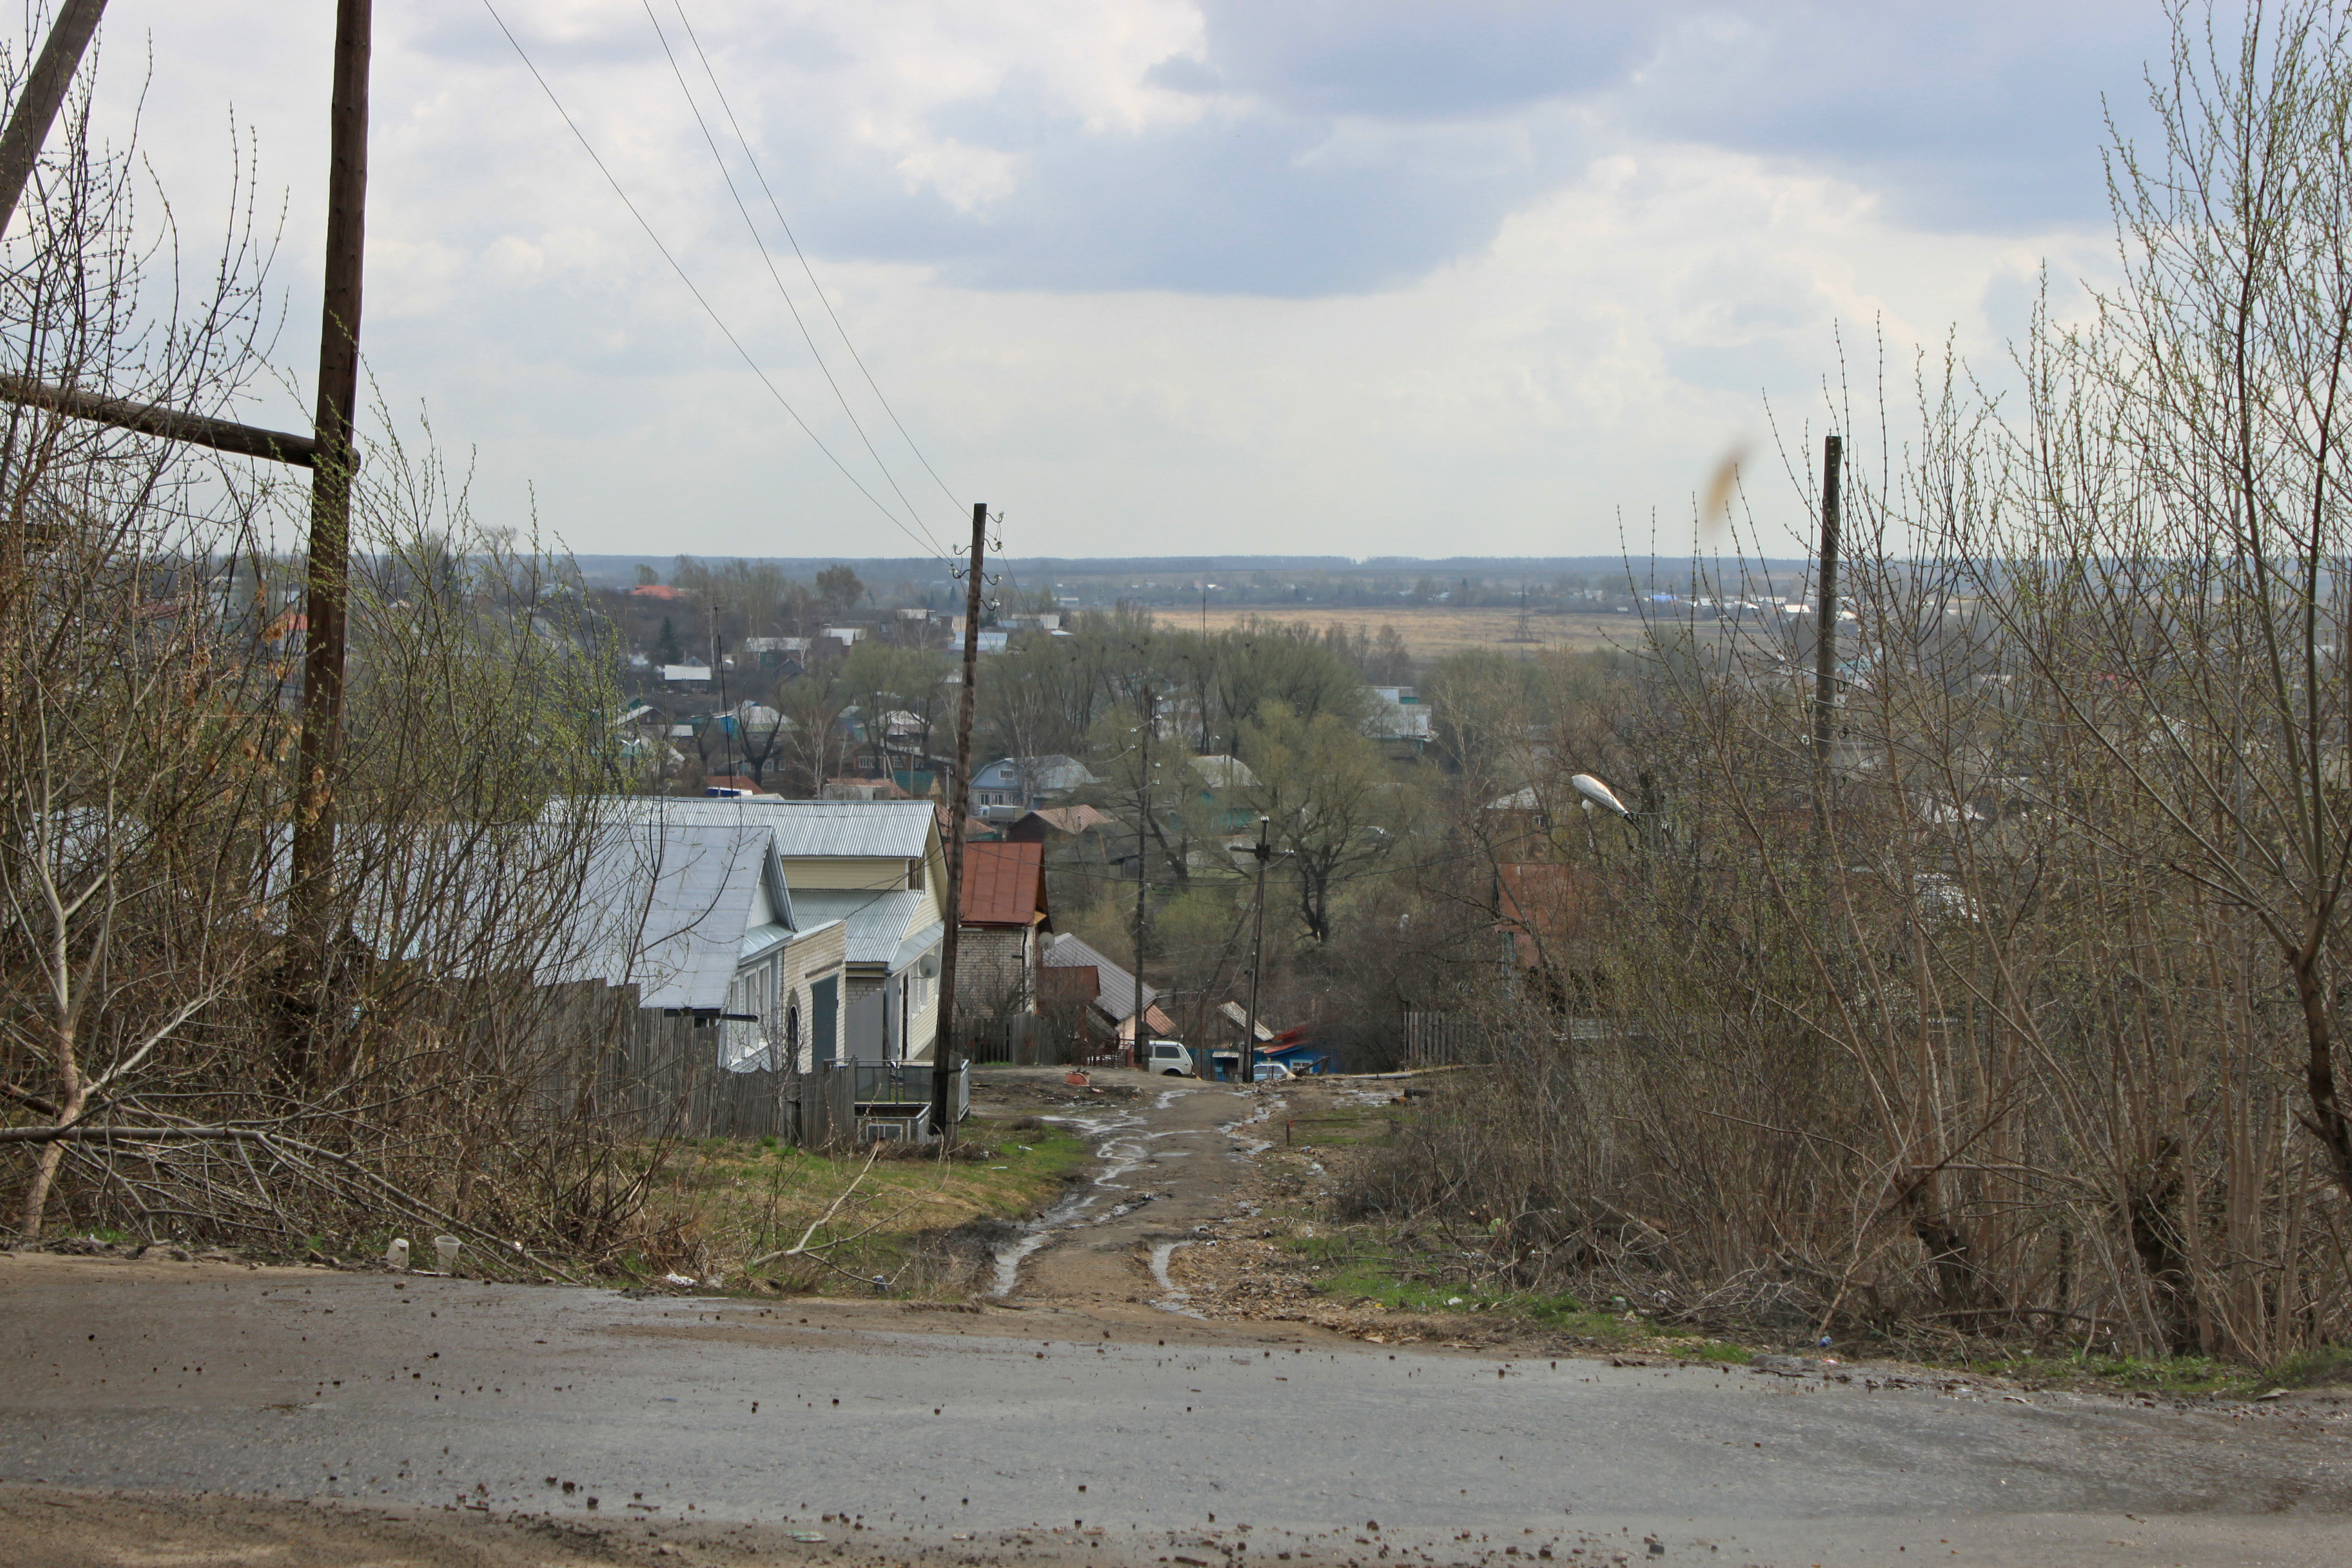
(2038, 1036)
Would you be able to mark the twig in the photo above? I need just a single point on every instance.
(802, 1246)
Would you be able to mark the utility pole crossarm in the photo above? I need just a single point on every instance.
(147, 419)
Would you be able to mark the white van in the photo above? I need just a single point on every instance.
(1170, 1058)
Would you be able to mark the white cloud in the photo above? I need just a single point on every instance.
(1369, 282)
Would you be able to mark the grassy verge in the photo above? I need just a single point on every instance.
(1358, 1268)
(2178, 1376)
(724, 1204)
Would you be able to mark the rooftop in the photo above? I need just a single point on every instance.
(1003, 884)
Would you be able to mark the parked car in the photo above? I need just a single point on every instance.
(1170, 1058)
(1270, 1072)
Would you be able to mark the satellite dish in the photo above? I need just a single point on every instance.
(1598, 793)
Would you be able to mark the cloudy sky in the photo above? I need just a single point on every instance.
(1154, 277)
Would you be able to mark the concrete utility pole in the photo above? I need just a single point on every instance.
(44, 95)
(327, 587)
(1264, 852)
(1142, 820)
(959, 792)
(1825, 641)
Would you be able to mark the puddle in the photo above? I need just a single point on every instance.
(1232, 1128)
(1170, 1299)
(1121, 1149)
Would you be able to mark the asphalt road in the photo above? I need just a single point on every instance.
(923, 1426)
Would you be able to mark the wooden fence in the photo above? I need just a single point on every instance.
(662, 1072)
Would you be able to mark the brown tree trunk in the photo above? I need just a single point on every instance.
(74, 1094)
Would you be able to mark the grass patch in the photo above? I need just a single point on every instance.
(724, 1202)
(2330, 1366)
(2177, 1375)
(1358, 1267)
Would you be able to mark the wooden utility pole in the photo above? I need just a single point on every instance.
(1264, 852)
(326, 451)
(959, 795)
(327, 587)
(44, 95)
(1142, 825)
(1825, 642)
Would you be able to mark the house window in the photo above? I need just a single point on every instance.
(914, 875)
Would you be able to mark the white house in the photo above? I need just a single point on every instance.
(699, 917)
(877, 868)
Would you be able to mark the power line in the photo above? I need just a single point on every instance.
(588, 147)
(777, 208)
(769, 261)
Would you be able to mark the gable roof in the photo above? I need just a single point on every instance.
(1072, 819)
(1054, 771)
(1221, 772)
(1003, 885)
(671, 905)
(1239, 1017)
(1115, 987)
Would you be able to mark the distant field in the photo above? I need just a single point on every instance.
(1430, 630)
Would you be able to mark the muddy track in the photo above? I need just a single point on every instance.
(1171, 1165)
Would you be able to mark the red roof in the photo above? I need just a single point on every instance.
(655, 591)
(1003, 885)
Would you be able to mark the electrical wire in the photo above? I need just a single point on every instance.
(768, 261)
(610, 179)
(777, 208)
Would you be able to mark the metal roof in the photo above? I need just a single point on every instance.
(1115, 993)
(878, 922)
(807, 829)
(669, 905)
(1003, 884)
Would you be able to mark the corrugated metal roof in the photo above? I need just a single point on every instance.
(814, 829)
(1116, 987)
(668, 905)
(877, 922)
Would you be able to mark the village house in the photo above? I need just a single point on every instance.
(698, 916)
(877, 866)
(1011, 787)
(1079, 982)
(1005, 918)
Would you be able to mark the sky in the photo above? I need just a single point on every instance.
(1422, 278)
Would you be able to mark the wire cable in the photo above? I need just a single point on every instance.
(785, 403)
(753, 158)
(768, 261)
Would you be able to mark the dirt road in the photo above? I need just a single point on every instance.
(1171, 1162)
(157, 1414)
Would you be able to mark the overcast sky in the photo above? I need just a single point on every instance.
(1355, 276)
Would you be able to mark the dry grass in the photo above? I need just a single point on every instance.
(726, 1202)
